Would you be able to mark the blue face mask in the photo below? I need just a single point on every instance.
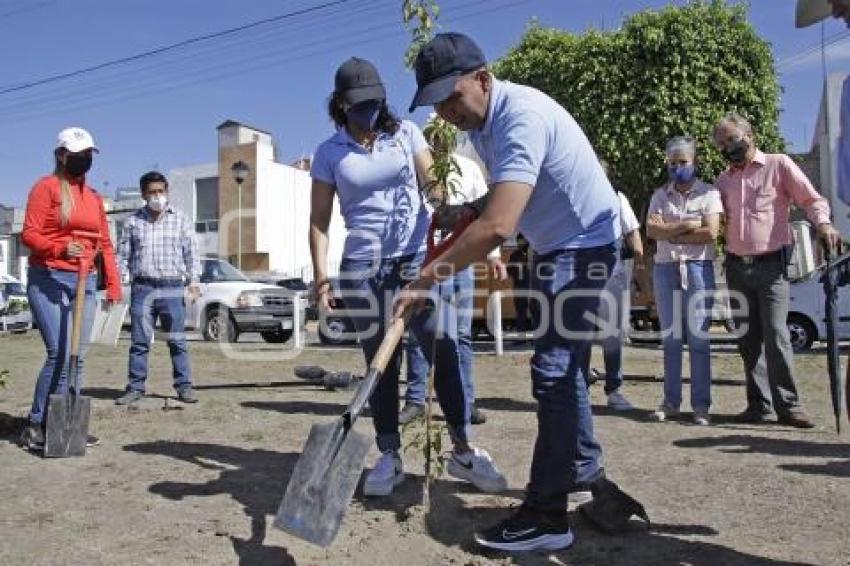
(365, 115)
(681, 173)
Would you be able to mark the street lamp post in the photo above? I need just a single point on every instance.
(240, 171)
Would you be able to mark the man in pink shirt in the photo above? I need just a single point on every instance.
(757, 190)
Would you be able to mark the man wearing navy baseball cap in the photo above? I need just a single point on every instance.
(545, 181)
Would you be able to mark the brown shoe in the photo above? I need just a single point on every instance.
(751, 416)
(797, 419)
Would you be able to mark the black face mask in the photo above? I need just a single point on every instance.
(77, 164)
(365, 115)
(736, 152)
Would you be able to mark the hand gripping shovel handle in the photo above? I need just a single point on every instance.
(435, 251)
(396, 328)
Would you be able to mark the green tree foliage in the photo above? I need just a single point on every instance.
(419, 17)
(664, 73)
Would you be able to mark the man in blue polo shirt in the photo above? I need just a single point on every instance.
(546, 182)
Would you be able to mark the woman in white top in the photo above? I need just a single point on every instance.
(684, 219)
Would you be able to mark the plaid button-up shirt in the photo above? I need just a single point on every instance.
(164, 248)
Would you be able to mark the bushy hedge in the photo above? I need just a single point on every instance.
(664, 73)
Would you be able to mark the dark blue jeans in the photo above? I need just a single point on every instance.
(149, 301)
(458, 290)
(51, 294)
(369, 291)
(566, 450)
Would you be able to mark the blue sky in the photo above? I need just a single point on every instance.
(161, 112)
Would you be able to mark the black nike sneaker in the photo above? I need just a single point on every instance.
(528, 529)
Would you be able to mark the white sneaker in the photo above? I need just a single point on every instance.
(663, 413)
(387, 473)
(618, 401)
(701, 418)
(477, 468)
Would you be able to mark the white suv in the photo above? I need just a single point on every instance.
(807, 308)
(15, 315)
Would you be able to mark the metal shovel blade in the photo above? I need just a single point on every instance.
(323, 482)
(67, 425)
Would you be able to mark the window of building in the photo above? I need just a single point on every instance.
(206, 197)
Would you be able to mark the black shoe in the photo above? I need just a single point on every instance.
(752, 416)
(611, 509)
(528, 529)
(477, 417)
(410, 412)
(130, 396)
(187, 395)
(92, 440)
(579, 493)
(32, 437)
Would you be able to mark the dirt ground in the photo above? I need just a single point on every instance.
(200, 484)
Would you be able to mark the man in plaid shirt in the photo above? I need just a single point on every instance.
(159, 255)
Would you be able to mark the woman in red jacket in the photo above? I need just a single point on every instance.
(57, 206)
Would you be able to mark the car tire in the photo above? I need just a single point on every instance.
(803, 332)
(276, 336)
(333, 330)
(219, 326)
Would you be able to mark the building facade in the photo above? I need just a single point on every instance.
(268, 233)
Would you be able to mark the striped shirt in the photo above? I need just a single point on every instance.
(164, 248)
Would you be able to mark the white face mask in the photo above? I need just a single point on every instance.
(157, 203)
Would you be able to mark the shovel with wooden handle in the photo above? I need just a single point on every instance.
(68, 413)
(326, 474)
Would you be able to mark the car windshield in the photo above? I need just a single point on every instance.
(218, 271)
(12, 289)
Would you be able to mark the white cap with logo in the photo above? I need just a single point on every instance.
(75, 139)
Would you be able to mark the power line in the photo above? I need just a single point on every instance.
(809, 51)
(172, 47)
(210, 57)
(24, 9)
(158, 75)
(239, 63)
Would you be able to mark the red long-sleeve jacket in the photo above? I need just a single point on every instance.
(47, 238)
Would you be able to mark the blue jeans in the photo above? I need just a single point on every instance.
(147, 303)
(616, 312)
(459, 290)
(566, 450)
(685, 314)
(51, 294)
(371, 290)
